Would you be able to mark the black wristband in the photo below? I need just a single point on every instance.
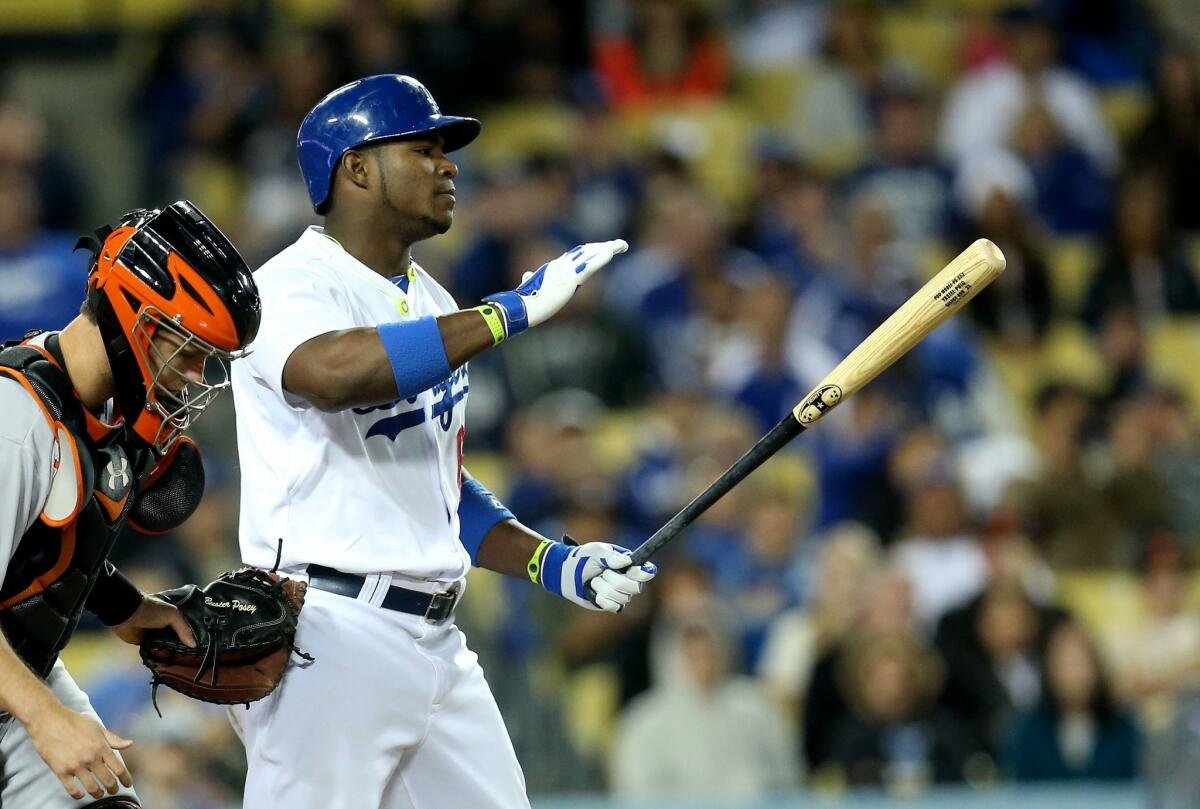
(115, 598)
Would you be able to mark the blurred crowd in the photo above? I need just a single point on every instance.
(980, 569)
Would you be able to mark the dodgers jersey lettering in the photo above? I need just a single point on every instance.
(365, 490)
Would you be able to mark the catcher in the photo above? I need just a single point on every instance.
(91, 439)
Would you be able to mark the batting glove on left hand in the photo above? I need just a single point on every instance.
(595, 575)
(548, 288)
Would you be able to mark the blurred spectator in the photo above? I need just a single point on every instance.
(1179, 18)
(607, 181)
(1171, 772)
(1156, 658)
(1063, 507)
(884, 610)
(832, 115)
(1170, 138)
(519, 206)
(774, 35)
(791, 222)
(1073, 195)
(905, 175)
(26, 147)
(684, 283)
(550, 444)
(897, 736)
(996, 192)
(873, 275)
(701, 733)
(796, 639)
(1176, 457)
(275, 206)
(851, 456)
(669, 52)
(1078, 732)
(1108, 41)
(761, 578)
(938, 550)
(200, 96)
(994, 647)
(750, 367)
(1146, 266)
(1135, 493)
(368, 38)
(983, 107)
(1121, 343)
(188, 758)
(42, 281)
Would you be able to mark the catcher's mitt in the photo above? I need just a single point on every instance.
(244, 623)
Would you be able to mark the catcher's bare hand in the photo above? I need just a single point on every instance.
(154, 613)
(79, 750)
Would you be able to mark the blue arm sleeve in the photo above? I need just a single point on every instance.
(478, 511)
(417, 354)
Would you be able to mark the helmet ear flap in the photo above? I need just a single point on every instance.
(129, 389)
(93, 242)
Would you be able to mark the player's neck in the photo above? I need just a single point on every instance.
(380, 249)
(86, 362)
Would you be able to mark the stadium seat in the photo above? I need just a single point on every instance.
(1102, 600)
(1072, 260)
(768, 93)
(929, 43)
(1172, 348)
(713, 137)
(1125, 108)
(518, 130)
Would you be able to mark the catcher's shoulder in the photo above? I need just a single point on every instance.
(24, 422)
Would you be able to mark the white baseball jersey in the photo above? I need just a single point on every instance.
(27, 471)
(364, 490)
(26, 465)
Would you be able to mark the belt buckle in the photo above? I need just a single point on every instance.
(441, 605)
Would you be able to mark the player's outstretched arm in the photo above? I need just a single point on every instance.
(370, 366)
(547, 289)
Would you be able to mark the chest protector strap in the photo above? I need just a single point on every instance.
(57, 560)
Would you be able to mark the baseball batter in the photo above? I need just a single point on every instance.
(350, 432)
(90, 441)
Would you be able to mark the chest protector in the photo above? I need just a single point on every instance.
(57, 561)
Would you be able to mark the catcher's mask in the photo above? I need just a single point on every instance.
(175, 304)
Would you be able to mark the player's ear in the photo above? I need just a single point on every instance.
(356, 167)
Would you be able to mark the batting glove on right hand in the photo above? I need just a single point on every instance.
(595, 575)
(548, 288)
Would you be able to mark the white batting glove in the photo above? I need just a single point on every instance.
(595, 575)
(548, 288)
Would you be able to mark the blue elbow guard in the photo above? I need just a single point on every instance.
(417, 354)
(478, 511)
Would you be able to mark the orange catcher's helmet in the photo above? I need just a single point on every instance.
(168, 287)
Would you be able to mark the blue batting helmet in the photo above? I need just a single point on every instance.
(366, 111)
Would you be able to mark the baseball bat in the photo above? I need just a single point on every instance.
(946, 293)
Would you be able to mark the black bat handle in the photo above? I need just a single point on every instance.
(783, 432)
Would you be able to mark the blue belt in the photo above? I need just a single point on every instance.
(434, 607)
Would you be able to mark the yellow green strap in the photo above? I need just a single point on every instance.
(534, 568)
(494, 321)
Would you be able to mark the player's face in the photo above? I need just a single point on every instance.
(417, 185)
(175, 364)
